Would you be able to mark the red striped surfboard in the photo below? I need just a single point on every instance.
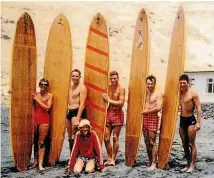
(96, 74)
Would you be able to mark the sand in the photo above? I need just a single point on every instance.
(204, 163)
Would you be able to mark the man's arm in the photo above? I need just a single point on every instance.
(83, 96)
(198, 109)
(158, 107)
(119, 102)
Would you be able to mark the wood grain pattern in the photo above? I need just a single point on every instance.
(96, 74)
(23, 84)
(171, 97)
(137, 87)
(58, 61)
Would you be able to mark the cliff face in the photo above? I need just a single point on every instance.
(121, 18)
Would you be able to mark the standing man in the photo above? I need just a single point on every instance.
(76, 106)
(153, 105)
(189, 100)
(115, 116)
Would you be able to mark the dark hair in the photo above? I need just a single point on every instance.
(76, 70)
(184, 77)
(44, 80)
(151, 78)
(114, 73)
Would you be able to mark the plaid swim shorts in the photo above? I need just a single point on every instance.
(150, 121)
(115, 117)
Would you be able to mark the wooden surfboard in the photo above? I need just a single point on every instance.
(57, 70)
(96, 74)
(23, 84)
(137, 82)
(171, 96)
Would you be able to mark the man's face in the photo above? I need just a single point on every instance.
(150, 85)
(183, 85)
(75, 77)
(114, 80)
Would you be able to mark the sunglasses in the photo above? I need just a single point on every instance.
(44, 84)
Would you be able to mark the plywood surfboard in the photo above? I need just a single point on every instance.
(137, 88)
(23, 84)
(96, 74)
(57, 70)
(171, 96)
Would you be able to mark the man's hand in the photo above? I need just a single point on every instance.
(197, 126)
(75, 121)
(145, 111)
(105, 97)
(10, 91)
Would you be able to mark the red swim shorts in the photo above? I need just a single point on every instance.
(150, 121)
(115, 118)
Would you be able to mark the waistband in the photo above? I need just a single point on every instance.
(189, 117)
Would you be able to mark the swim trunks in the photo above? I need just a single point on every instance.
(73, 113)
(115, 117)
(150, 121)
(185, 122)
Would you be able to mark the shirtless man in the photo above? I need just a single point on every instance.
(153, 105)
(115, 116)
(76, 106)
(189, 100)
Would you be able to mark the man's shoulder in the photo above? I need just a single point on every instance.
(83, 87)
(158, 94)
(121, 88)
(193, 93)
(50, 95)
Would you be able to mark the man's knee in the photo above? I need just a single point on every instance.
(115, 139)
(191, 145)
(107, 139)
(41, 145)
(152, 142)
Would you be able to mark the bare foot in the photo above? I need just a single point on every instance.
(107, 162)
(41, 168)
(33, 165)
(112, 163)
(184, 169)
(190, 170)
(152, 167)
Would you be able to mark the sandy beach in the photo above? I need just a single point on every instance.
(121, 18)
(204, 163)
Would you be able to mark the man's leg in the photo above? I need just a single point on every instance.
(69, 130)
(185, 143)
(152, 141)
(147, 143)
(116, 133)
(75, 123)
(192, 136)
(108, 146)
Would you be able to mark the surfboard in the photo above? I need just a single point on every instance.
(96, 74)
(57, 70)
(23, 84)
(137, 82)
(171, 97)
